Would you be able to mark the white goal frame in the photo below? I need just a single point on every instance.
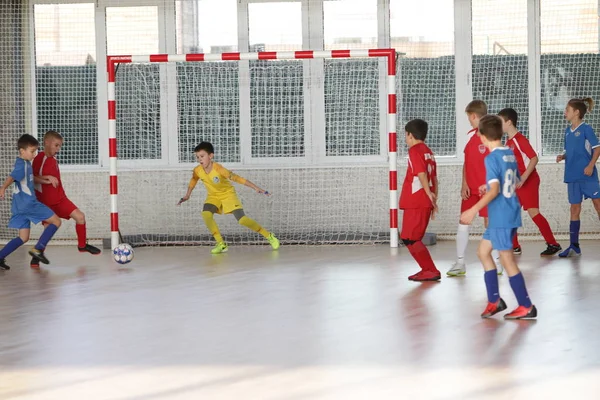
(390, 89)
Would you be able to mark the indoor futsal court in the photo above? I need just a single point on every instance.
(322, 322)
(234, 199)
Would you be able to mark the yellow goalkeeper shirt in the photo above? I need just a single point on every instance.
(217, 181)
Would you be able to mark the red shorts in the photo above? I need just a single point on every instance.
(64, 208)
(414, 223)
(471, 201)
(529, 193)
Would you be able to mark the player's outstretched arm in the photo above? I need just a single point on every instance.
(256, 188)
(186, 197)
(9, 180)
(190, 189)
(238, 179)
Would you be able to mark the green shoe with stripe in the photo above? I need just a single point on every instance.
(221, 247)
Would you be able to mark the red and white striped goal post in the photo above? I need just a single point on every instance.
(389, 54)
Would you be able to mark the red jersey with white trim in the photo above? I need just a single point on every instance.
(420, 159)
(523, 151)
(46, 193)
(475, 153)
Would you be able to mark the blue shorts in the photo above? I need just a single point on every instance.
(36, 214)
(501, 238)
(583, 190)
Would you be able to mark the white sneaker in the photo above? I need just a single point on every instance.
(499, 267)
(459, 268)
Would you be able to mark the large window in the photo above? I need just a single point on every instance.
(134, 30)
(300, 109)
(427, 81)
(500, 72)
(276, 88)
(65, 60)
(350, 24)
(352, 126)
(570, 64)
(208, 93)
(206, 26)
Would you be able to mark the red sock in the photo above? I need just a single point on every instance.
(516, 241)
(81, 235)
(422, 256)
(544, 227)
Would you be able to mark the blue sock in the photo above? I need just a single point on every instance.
(10, 247)
(517, 283)
(46, 236)
(574, 231)
(491, 284)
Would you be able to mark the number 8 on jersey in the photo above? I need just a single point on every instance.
(511, 179)
(501, 167)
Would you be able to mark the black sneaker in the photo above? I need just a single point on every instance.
(517, 251)
(3, 266)
(89, 249)
(551, 250)
(35, 263)
(39, 255)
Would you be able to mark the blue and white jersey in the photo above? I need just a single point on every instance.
(24, 193)
(501, 167)
(579, 146)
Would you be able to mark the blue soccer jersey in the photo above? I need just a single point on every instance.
(579, 146)
(501, 167)
(24, 193)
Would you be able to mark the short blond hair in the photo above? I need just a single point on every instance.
(52, 135)
(477, 107)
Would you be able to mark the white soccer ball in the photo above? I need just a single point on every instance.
(123, 253)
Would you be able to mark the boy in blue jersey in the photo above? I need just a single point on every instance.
(581, 176)
(504, 213)
(25, 206)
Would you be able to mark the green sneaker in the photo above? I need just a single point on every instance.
(221, 247)
(274, 241)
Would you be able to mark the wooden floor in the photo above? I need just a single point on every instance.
(324, 322)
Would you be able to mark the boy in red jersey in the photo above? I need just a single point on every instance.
(528, 189)
(472, 180)
(49, 191)
(418, 199)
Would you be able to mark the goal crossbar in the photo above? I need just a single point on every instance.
(388, 54)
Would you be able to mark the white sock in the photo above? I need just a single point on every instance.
(462, 241)
(496, 256)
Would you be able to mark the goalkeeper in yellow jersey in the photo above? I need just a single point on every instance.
(221, 197)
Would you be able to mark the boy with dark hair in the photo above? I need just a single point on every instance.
(504, 211)
(25, 207)
(528, 188)
(222, 197)
(418, 199)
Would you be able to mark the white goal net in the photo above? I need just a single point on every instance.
(314, 133)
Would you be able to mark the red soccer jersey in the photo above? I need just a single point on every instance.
(523, 151)
(46, 193)
(475, 152)
(420, 159)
